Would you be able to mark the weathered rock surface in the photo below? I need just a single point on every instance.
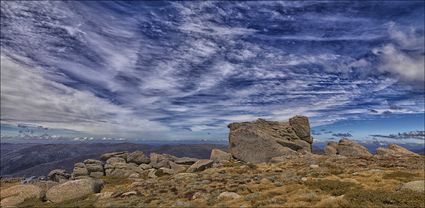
(228, 196)
(17, 194)
(331, 148)
(418, 186)
(93, 165)
(185, 160)
(138, 157)
(178, 168)
(160, 160)
(394, 150)
(218, 155)
(200, 165)
(73, 190)
(351, 148)
(79, 170)
(261, 140)
(106, 156)
(301, 127)
(58, 175)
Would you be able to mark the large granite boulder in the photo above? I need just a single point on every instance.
(73, 190)
(261, 140)
(58, 175)
(108, 155)
(185, 160)
(331, 148)
(161, 160)
(94, 168)
(117, 167)
(394, 150)
(15, 195)
(138, 157)
(351, 148)
(79, 171)
(218, 155)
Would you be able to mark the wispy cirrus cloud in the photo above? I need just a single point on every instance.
(168, 69)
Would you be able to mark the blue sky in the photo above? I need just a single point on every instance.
(184, 70)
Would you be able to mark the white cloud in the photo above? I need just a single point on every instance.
(27, 96)
(408, 66)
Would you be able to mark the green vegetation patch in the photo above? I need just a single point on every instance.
(333, 187)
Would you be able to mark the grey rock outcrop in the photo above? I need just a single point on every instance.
(58, 175)
(94, 168)
(138, 157)
(106, 156)
(261, 140)
(17, 194)
(160, 160)
(394, 150)
(351, 148)
(331, 148)
(218, 155)
(418, 186)
(73, 190)
(185, 160)
(200, 165)
(117, 167)
(80, 170)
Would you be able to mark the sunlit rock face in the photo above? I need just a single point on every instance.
(261, 140)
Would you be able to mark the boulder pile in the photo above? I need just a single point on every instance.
(261, 140)
(346, 147)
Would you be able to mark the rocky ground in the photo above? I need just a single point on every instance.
(270, 164)
(305, 181)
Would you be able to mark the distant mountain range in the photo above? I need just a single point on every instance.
(29, 159)
(38, 159)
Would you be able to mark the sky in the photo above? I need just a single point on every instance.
(184, 70)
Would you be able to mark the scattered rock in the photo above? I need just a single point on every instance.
(120, 169)
(93, 165)
(160, 160)
(138, 157)
(164, 171)
(73, 190)
(145, 166)
(394, 150)
(106, 156)
(218, 155)
(96, 174)
(17, 194)
(200, 165)
(351, 148)
(418, 186)
(58, 175)
(115, 160)
(104, 195)
(130, 193)
(261, 140)
(79, 170)
(177, 168)
(331, 148)
(314, 166)
(151, 173)
(185, 160)
(228, 196)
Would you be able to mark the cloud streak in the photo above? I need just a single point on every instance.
(178, 70)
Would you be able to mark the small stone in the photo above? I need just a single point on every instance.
(145, 166)
(228, 196)
(129, 193)
(314, 166)
(304, 179)
(418, 186)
